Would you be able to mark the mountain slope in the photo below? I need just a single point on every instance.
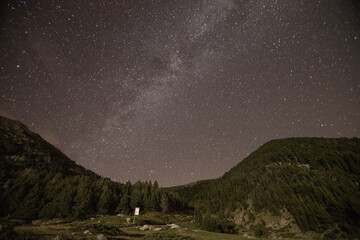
(313, 182)
(20, 148)
(39, 181)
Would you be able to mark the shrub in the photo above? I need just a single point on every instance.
(167, 236)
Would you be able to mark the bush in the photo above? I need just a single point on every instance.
(99, 228)
(217, 224)
(167, 236)
(150, 222)
(260, 231)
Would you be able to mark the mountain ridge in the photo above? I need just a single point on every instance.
(287, 187)
(313, 180)
(17, 138)
(39, 181)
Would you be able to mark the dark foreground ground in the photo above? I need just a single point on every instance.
(148, 226)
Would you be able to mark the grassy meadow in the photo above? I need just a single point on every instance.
(117, 227)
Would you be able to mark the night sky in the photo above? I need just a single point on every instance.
(179, 91)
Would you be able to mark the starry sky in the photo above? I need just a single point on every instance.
(182, 90)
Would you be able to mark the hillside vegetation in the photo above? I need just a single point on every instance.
(39, 181)
(287, 188)
(313, 182)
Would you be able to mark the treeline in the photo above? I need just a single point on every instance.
(35, 194)
(39, 181)
(315, 179)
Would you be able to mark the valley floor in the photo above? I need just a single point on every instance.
(148, 226)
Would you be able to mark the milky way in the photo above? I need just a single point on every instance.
(179, 91)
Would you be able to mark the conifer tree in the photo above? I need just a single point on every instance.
(124, 205)
(105, 200)
(84, 198)
(135, 200)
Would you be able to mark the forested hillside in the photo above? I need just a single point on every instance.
(313, 181)
(290, 185)
(39, 181)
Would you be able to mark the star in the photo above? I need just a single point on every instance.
(178, 91)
